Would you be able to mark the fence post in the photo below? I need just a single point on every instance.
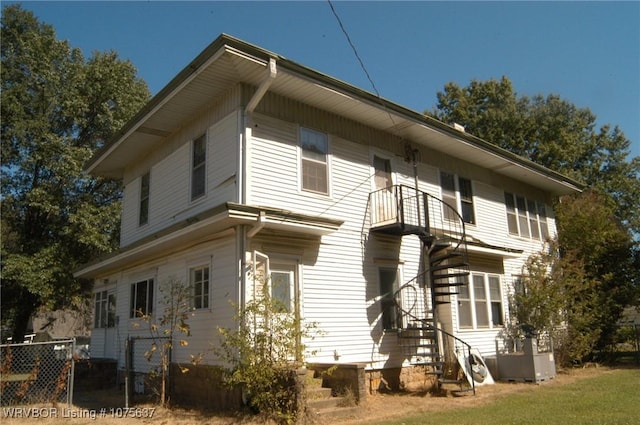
(72, 372)
(128, 373)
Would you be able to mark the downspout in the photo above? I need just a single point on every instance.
(245, 134)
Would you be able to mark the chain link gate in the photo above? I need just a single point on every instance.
(143, 364)
(38, 372)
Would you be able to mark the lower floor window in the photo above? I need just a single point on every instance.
(141, 298)
(200, 284)
(105, 310)
(480, 302)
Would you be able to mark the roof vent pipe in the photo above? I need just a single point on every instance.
(458, 127)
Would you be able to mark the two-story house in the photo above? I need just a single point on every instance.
(386, 228)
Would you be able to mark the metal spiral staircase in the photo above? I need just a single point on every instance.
(403, 210)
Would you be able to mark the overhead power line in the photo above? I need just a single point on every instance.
(364, 68)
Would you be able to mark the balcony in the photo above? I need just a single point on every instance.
(403, 210)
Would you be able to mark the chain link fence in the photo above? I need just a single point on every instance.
(143, 367)
(39, 372)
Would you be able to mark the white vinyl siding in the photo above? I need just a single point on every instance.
(170, 189)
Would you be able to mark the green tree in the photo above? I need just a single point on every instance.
(598, 267)
(590, 234)
(57, 110)
(551, 132)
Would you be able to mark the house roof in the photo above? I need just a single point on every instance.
(210, 224)
(228, 61)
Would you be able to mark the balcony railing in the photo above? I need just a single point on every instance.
(403, 209)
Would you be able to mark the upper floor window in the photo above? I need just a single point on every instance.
(314, 146)
(480, 303)
(105, 310)
(199, 278)
(457, 193)
(143, 217)
(198, 167)
(141, 298)
(526, 217)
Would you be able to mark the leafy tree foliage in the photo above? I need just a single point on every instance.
(593, 269)
(551, 132)
(590, 234)
(57, 110)
(261, 355)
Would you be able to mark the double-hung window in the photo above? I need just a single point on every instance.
(314, 148)
(141, 298)
(457, 193)
(480, 302)
(199, 277)
(143, 217)
(526, 217)
(105, 310)
(198, 167)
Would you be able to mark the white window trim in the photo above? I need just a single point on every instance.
(140, 199)
(301, 189)
(105, 294)
(458, 206)
(472, 301)
(538, 220)
(133, 315)
(191, 270)
(193, 200)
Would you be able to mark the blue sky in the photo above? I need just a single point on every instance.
(586, 52)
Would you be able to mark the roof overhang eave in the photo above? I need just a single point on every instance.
(209, 225)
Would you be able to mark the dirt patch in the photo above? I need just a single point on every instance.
(88, 407)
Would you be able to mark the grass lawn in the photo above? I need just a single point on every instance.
(607, 399)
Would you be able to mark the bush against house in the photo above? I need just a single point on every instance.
(263, 354)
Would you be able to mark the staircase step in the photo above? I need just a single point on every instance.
(442, 294)
(451, 275)
(448, 266)
(430, 336)
(445, 381)
(316, 393)
(447, 256)
(323, 403)
(439, 246)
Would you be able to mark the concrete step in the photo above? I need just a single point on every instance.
(322, 403)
